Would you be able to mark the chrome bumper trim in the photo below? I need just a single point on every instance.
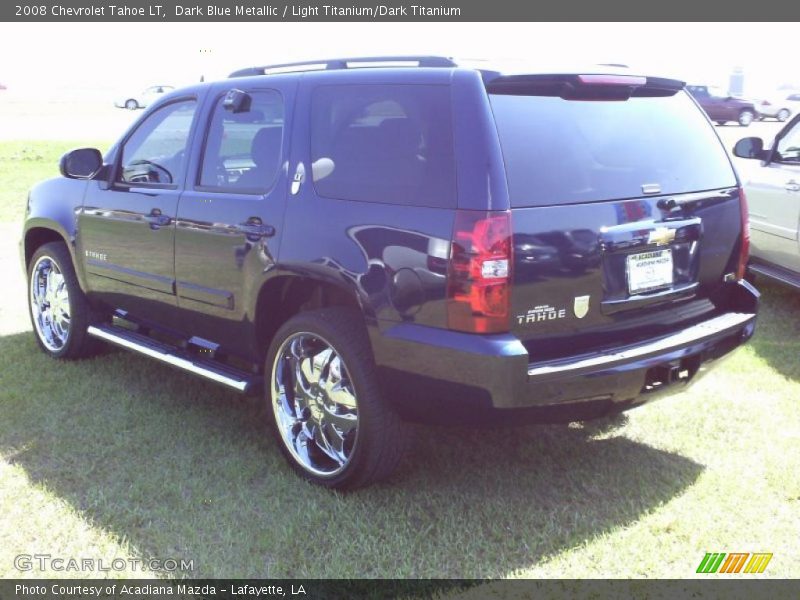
(690, 335)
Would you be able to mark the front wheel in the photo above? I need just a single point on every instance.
(783, 115)
(721, 123)
(131, 104)
(59, 311)
(746, 117)
(329, 415)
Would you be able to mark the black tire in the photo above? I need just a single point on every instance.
(381, 437)
(721, 123)
(746, 117)
(78, 343)
(131, 104)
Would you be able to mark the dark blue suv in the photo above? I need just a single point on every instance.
(368, 241)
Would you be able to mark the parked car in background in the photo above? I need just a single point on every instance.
(721, 108)
(781, 107)
(771, 181)
(144, 98)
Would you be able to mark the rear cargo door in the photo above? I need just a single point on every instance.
(625, 210)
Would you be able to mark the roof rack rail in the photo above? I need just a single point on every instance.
(348, 63)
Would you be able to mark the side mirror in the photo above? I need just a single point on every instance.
(750, 147)
(82, 163)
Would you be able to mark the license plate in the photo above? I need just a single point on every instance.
(648, 271)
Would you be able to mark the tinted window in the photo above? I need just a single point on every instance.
(243, 149)
(383, 143)
(156, 152)
(566, 151)
(697, 90)
(789, 146)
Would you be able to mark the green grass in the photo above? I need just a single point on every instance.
(118, 456)
(23, 164)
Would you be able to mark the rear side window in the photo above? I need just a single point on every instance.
(243, 149)
(569, 151)
(383, 143)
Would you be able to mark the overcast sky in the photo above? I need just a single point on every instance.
(119, 56)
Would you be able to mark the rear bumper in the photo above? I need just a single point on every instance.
(428, 369)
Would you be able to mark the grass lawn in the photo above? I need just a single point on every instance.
(23, 164)
(118, 456)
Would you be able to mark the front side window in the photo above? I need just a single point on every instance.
(156, 152)
(383, 143)
(243, 148)
(788, 150)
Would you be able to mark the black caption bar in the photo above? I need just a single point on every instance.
(413, 10)
(710, 588)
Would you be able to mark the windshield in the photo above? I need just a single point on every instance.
(566, 151)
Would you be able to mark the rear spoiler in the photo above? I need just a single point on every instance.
(595, 86)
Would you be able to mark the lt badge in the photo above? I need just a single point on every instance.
(581, 306)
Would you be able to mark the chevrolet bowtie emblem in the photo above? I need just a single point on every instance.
(661, 236)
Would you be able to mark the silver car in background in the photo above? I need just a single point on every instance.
(771, 179)
(144, 98)
(780, 107)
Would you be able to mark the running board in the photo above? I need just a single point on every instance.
(240, 381)
(777, 273)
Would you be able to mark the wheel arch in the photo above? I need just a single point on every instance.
(43, 231)
(37, 236)
(286, 295)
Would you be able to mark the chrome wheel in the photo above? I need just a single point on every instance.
(50, 304)
(745, 118)
(783, 115)
(315, 404)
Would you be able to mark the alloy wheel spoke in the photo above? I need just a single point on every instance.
(300, 443)
(344, 422)
(329, 442)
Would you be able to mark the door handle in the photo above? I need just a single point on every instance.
(254, 229)
(157, 219)
(298, 179)
(793, 186)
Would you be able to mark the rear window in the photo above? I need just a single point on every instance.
(569, 151)
(383, 143)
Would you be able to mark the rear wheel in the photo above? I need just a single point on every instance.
(60, 312)
(746, 117)
(783, 115)
(721, 122)
(328, 413)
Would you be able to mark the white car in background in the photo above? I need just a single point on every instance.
(771, 181)
(780, 107)
(144, 98)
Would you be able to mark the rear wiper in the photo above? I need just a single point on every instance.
(695, 200)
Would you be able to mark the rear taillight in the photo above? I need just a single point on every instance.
(479, 272)
(744, 252)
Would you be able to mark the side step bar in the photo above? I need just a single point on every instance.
(240, 381)
(776, 273)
